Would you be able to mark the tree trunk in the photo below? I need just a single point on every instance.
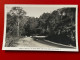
(18, 26)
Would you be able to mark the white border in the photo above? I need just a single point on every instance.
(39, 48)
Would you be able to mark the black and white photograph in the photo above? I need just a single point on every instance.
(40, 27)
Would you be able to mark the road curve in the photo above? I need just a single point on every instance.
(30, 42)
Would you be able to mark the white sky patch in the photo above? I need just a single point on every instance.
(35, 11)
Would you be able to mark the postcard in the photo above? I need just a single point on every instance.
(40, 27)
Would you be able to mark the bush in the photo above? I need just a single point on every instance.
(10, 41)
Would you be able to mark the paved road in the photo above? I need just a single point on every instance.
(30, 42)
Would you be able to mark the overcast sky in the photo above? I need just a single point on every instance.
(35, 10)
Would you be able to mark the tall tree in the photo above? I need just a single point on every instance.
(18, 12)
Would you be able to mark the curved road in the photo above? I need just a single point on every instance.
(30, 42)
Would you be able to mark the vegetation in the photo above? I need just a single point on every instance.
(13, 30)
(61, 25)
(58, 26)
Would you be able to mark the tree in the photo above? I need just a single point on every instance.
(11, 25)
(61, 26)
(42, 23)
(18, 12)
(30, 26)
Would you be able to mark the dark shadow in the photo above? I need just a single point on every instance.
(44, 41)
(39, 52)
(62, 39)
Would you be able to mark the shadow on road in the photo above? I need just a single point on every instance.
(47, 42)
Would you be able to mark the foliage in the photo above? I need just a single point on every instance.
(14, 17)
(59, 25)
(62, 23)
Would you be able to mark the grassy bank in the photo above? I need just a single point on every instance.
(10, 41)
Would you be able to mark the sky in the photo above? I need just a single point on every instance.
(35, 10)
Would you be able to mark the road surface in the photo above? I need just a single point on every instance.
(30, 42)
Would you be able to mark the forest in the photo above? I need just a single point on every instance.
(58, 26)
